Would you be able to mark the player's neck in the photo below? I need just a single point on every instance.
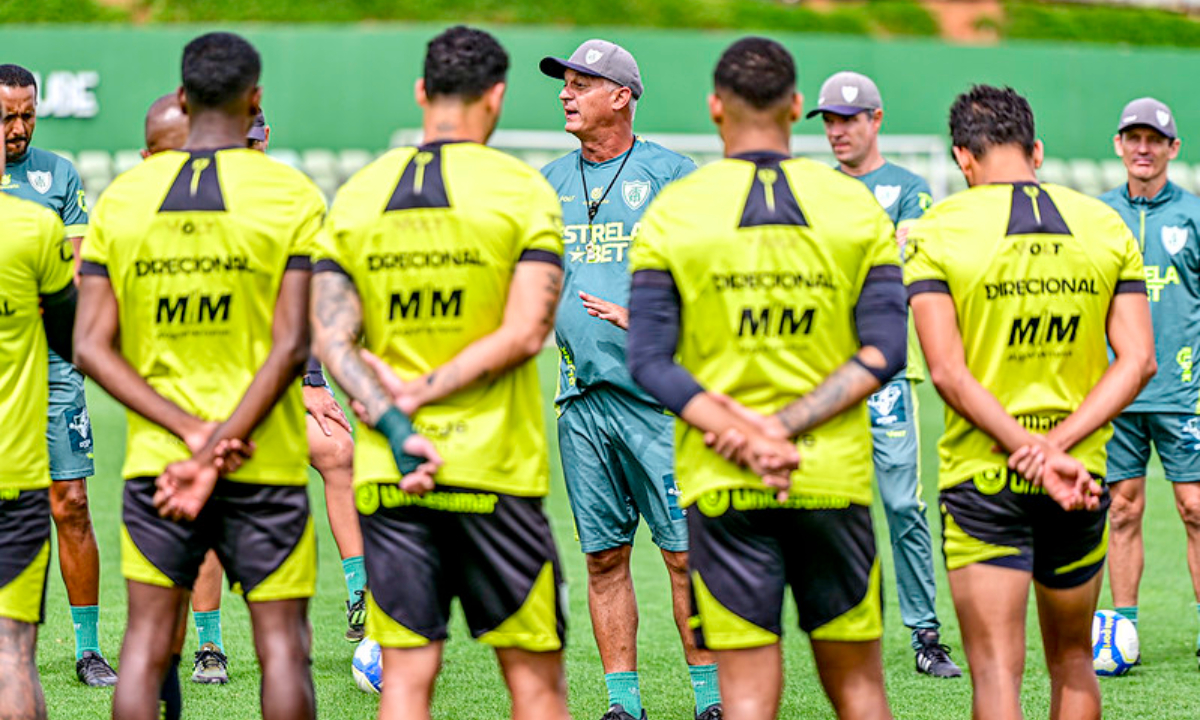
(446, 122)
(757, 139)
(1004, 164)
(213, 130)
(869, 164)
(606, 146)
(1147, 188)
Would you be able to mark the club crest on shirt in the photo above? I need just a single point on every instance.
(40, 180)
(635, 193)
(1174, 238)
(887, 195)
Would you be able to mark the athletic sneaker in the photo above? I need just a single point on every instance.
(356, 617)
(714, 712)
(617, 712)
(211, 666)
(94, 671)
(933, 658)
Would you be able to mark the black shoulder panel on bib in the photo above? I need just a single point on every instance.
(1034, 212)
(196, 187)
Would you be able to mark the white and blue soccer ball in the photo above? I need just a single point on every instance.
(1114, 643)
(368, 666)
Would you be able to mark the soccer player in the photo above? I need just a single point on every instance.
(775, 282)
(194, 298)
(446, 259)
(51, 181)
(852, 110)
(331, 452)
(1014, 286)
(37, 305)
(1165, 219)
(615, 440)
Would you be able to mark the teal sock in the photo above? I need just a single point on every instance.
(623, 690)
(704, 685)
(356, 576)
(86, 619)
(1130, 613)
(208, 628)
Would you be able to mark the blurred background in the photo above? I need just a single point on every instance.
(338, 75)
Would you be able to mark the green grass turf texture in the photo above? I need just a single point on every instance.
(470, 687)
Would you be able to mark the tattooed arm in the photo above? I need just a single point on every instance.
(528, 319)
(337, 324)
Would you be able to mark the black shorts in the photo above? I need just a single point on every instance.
(493, 552)
(1016, 525)
(745, 547)
(262, 534)
(25, 539)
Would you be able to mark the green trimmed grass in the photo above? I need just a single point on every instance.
(1163, 688)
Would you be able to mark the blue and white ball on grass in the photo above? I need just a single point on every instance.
(368, 666)
(1114, 643)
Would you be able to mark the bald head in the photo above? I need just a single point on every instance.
(166, 125)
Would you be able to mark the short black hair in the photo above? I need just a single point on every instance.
(987, 116)
(218, 67)
(17, 76)
(757, 70)
(464, 62)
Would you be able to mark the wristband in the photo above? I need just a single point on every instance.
(313, 379)
(396, 427)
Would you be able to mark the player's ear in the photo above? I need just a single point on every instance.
(181, 94)
(1039, 154)
(966, 162)
(877, 118)
(1173, 148)
(255, 102)
(1117, 145)
(716, 109)
(495, 97)
(419, 92)
(797, 109)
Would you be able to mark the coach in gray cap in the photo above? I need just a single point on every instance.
(616, 442)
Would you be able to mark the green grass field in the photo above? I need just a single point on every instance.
(1163, 688)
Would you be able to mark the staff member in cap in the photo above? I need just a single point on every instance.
(852, 109)
(1165, 218)
(615, 440)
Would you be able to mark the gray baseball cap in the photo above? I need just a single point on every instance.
(600, 58)
(258, 130)
(847, 93)
(1150, 113)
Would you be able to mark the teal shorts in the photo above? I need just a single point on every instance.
(1176, 437)
(69, 431)
(618, 462)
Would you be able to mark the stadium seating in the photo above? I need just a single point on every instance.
(330, 168)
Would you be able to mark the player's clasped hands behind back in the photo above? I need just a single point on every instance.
(761, 444)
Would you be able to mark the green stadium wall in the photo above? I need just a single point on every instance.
(340, 87)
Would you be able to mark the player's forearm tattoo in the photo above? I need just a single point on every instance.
(337, 322)
(847, 385)
(20, 693)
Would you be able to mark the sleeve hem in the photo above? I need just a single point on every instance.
(87, 267)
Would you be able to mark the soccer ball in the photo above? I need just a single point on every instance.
(367, 667)
(1114, 643)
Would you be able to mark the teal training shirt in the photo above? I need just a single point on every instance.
(52, 182)
(905, 196)
(1166, 227)
(592, 351)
